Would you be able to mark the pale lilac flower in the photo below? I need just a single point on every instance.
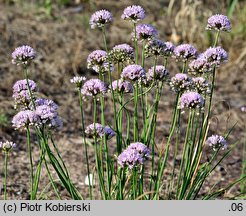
(49, 116)
(78, 81)
(144, 32)
(122, 53)
(93, 87)
(243, 109)
(169, 48)
(130, 158)
(109, 132)
(219, 22)
(20, 91)
(201, 85)
(185, 52)
(25, 118)
(134, 155)
(191, 100)
(47, 102)
(23, 55)
(140, 148)
(122, 86)
(133, 72)
(155, 47)
(199, 66)
(215, 56)
(96, 129)
(180, 82)
(158, 73)
(216, 142)
(7, 146)
(100, 19)
(98, 61)
(133, 13)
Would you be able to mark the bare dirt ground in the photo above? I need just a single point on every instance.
(64, 39)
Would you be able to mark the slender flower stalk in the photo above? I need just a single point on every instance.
(84, 141)
(29, 149)
(119, 146)
(98, 166)
(6, 155)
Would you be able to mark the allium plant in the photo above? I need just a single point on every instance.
(42, 116)
(124, 174)
(6, 147)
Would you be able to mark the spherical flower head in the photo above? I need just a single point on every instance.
(201, 85)
(78, 81)
(133, 72)
(20, 91)
(100, 18)
(133, 155)
(7, 146)
(185, 52)
(199, 66)
(96, 129)
(130, 158)
(157, 73)
(97, 60)
(215, 56)
(109, 132)
(142, 149)
(49, 116)
(217, 142)
(122, 86)
(191, 100)
(93, 87)
(219, 22)
(144, 32)
(122, 53)
(24, 119)
(155, 47)
(180, 82)
(47, 102)
(23, 55)
(169, 48)
(133, 13)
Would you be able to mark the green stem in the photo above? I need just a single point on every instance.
(216, 39)
(136, 112)
(164, 160)
(99, 171)
(28, 86)
(5, 174)
(84, 141)
(30, 160)
(135, 43)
